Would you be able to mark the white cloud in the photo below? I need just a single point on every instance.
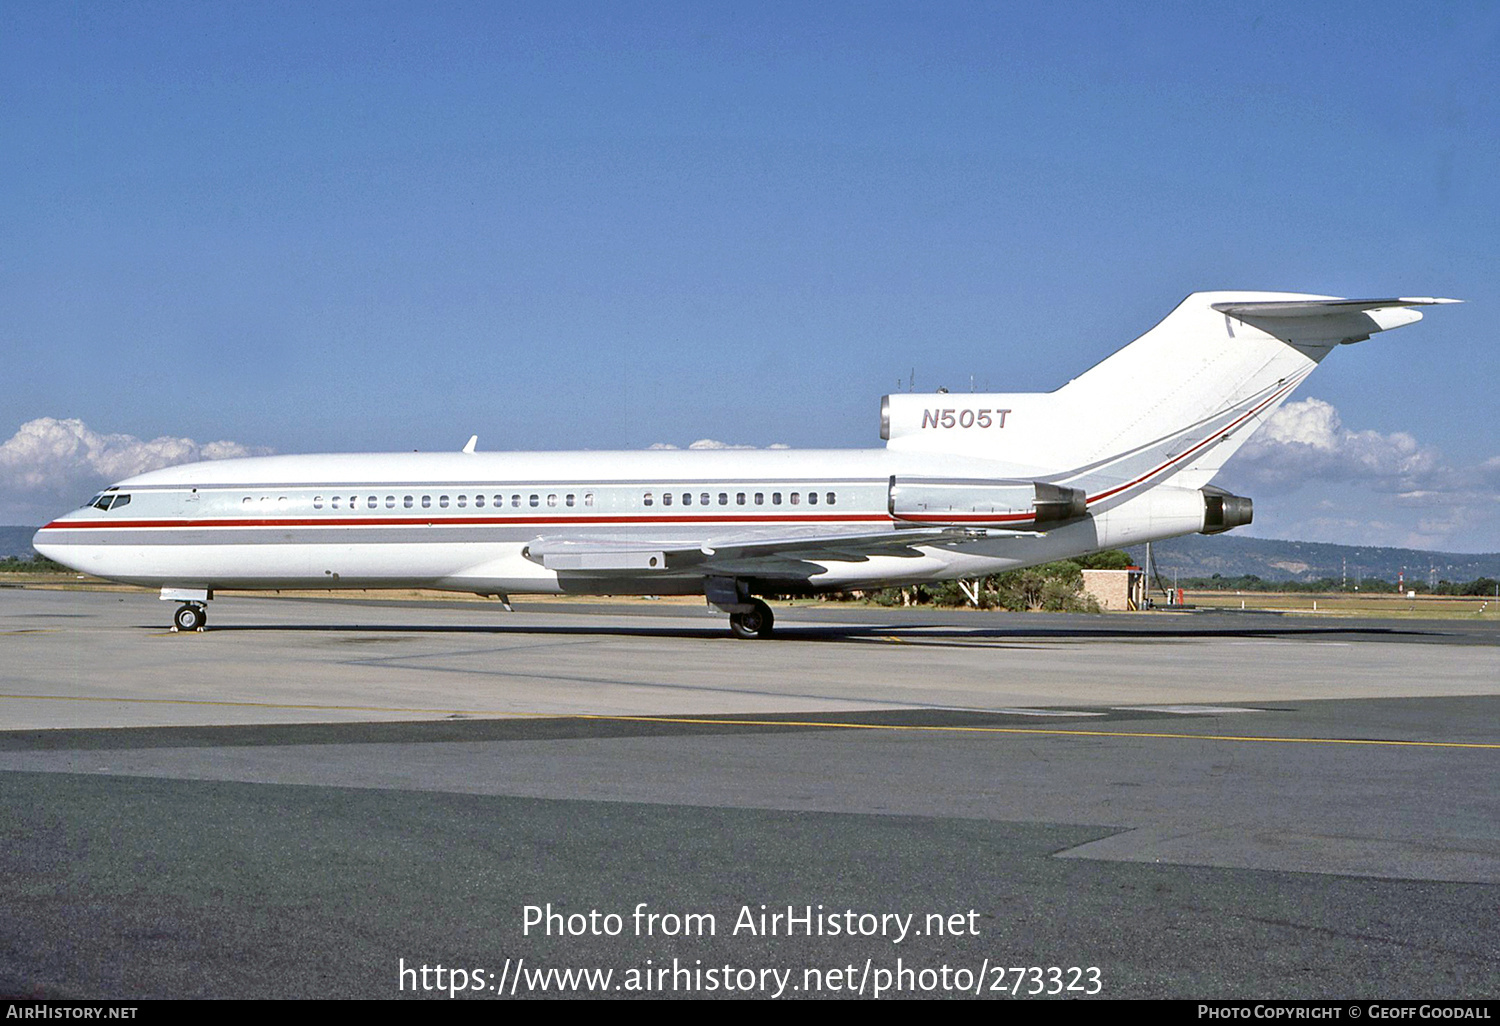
(714, 443)
(1322, 481)
(1307, 440)
(50, 462)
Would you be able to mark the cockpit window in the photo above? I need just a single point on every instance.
(121, 500)
(95, 501)
(109, 500)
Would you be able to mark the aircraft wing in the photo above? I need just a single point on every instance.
(738, 550)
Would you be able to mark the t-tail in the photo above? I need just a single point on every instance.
(1171, 407)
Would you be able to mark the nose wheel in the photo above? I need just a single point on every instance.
(190, 618)
(755, 624)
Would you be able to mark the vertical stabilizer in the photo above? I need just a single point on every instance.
(1176, 402)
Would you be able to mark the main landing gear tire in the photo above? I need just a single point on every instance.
(190, 618)
(755, 624)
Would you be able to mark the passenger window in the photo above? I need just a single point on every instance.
(479, 500)
(390, 502)
(760, 498)
(499, 501)
(536, 500)
(666, 498)
(443, 501)
(407, 502)
(723, 498)
(687, 498)
(463, 500)
(739, 499)
(317, 502)
(812, 498)
(426, 502)
(243, 502)
(515, 502)
(552, 501)
(796, 498)
(588, 498)
(647, 499)
(830, 497)
(703, 499)
(776, 498)
(570, 499)
(334, 502)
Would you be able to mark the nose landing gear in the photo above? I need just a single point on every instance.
(190, 618)
(193, 613)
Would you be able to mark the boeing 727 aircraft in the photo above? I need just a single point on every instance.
(966, 485)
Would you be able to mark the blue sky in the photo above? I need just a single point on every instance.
(317, 226)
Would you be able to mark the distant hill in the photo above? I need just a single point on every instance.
(16, 541)
(1229, 555)
(1199, 555)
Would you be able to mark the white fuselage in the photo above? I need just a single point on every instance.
(967, 485)
(461, 521)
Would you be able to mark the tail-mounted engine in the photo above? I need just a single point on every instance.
(922, 500)
(1223, 511)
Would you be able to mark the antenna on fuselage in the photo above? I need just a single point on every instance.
(473, 441)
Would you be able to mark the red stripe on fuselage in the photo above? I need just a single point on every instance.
(68, 525)
(976, 518)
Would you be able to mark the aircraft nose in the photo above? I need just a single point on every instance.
(40, 543)
(47, 543)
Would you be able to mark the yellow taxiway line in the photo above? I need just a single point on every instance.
(816, 724)
(1053, 732)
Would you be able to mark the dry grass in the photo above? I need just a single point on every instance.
(1424, 607)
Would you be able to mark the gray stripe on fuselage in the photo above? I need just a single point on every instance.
(377, 534)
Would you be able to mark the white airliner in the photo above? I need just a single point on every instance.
(966, 485)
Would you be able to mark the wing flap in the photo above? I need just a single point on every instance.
(620, 553)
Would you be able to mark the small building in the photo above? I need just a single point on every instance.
(1116, 590)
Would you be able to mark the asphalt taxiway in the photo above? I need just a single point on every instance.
(296, 800)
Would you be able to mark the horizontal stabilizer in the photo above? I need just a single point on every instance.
(1316, 307)
(1316, 321)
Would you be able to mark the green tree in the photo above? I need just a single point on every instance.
(1105, 559)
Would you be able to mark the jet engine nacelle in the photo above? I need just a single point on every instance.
(984, 503)
(1167, 512)
(1223, 511)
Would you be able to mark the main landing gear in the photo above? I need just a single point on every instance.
(749, 617)
(756, 623)
(190, 617)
